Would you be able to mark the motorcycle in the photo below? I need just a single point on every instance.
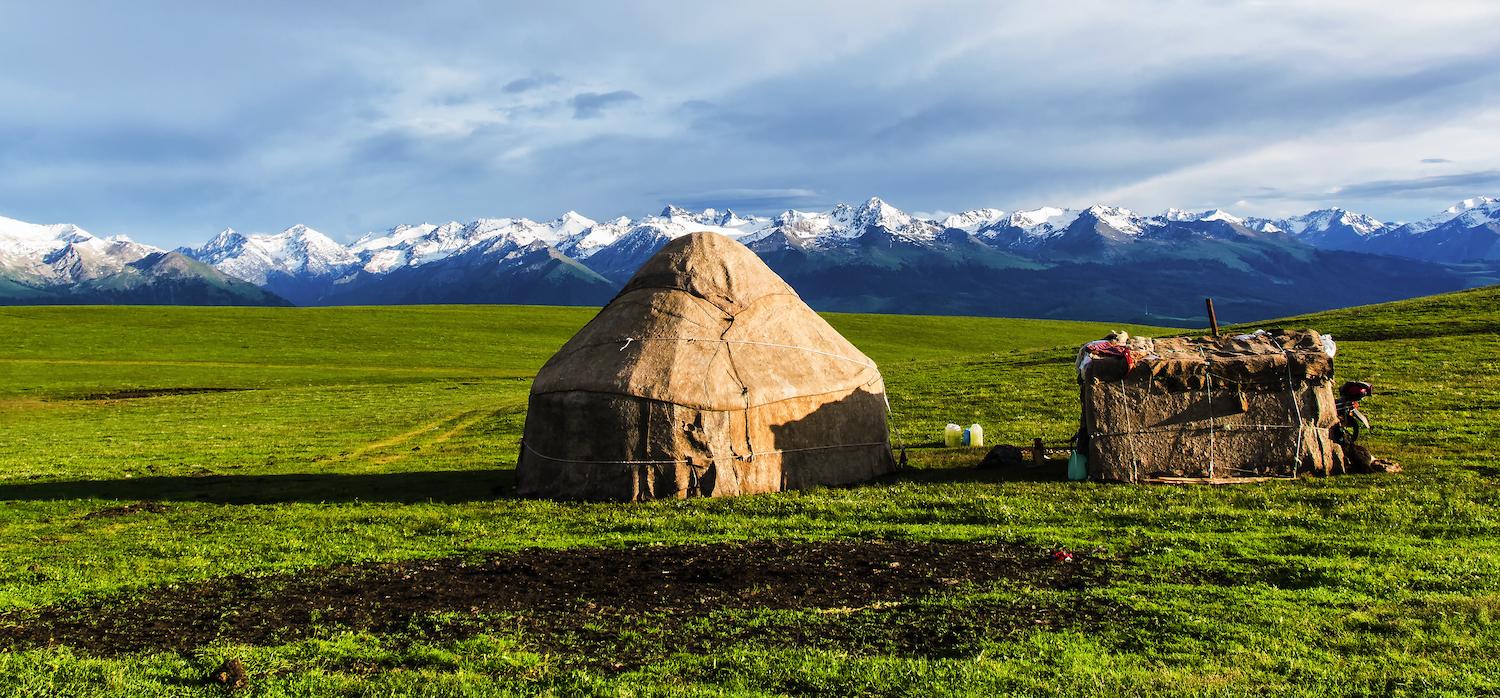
(1351, 421)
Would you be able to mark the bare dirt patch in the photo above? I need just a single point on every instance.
(614, 606)
(155, 392)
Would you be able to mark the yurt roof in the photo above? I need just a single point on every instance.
(705, 323)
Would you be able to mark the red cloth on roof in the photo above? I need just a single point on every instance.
(1104, 347)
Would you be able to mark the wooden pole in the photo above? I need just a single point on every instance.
(1037, 452)
(1213, 319)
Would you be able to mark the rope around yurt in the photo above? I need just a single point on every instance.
(626, 342)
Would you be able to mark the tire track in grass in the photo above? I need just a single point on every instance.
(461, 425)
(398, 439)
(442, 370)
(460, 421)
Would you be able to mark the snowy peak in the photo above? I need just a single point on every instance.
(296, 251)
(414, 245)
(569, 224)
(22, 239)
(1477, 211)
(399, 236)
(1213, 214)
(800, 227)
(590, 239)
(708, 216)
(1121, 219)
(844, 222)
(227, 238)
(1328, 219)
(18, 238)
(570, 234)
(1220, 214)
(1044, 216)
(729, 219)
(63, 254)
(671, 211)
(1360, 223)
(1036, 222)
(1469, 213)
(1479, 202)
(523, 230)
(876, 213)
(849, 222)
(972, 221)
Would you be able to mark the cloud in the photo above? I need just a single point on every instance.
(530, 83)
(1368, 165)
(177, 122)
(119, 144)
(1236, 92)
(1453, 186)
(746, 200)
(589, 105)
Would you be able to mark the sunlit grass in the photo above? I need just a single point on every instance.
(388, 434)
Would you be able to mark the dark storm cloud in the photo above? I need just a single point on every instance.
(589, 105)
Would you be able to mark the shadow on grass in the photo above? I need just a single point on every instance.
(441, 486)
(940, 475)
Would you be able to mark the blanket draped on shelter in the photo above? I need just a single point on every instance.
(1255, 405)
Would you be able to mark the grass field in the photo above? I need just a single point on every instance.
(336, 436)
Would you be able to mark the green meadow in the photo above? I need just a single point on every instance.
(285, 440)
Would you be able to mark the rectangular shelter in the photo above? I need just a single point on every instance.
(1248, 406)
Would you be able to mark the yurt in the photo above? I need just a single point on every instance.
(707, 376)
(1208, 408)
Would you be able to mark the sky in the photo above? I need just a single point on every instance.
(171, 121)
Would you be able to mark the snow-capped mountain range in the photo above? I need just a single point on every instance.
(63, 254)
(302, 251)
(66, 264)
(579, 259)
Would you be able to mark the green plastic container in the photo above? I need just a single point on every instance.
(1078, 466)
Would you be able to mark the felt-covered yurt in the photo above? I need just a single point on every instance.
(706, 376)
(1247, 406)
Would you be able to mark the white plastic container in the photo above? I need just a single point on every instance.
(974, 436)
(953, 436)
